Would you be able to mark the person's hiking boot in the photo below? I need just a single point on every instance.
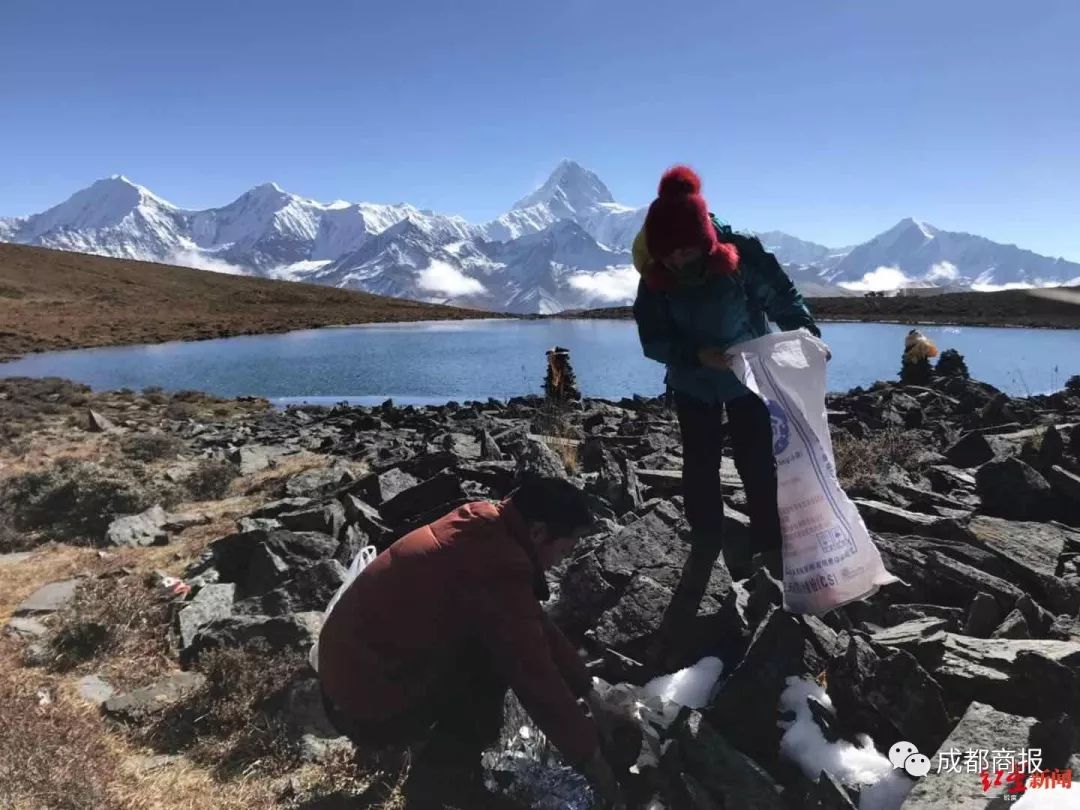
(738, 553)
(669, 645)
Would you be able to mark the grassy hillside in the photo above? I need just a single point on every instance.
(51, 299)
(1008, 308)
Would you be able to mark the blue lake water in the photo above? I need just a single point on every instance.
(435, 362)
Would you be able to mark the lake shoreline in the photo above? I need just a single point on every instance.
(614, 314)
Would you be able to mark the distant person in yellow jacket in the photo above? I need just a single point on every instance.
(915, 368)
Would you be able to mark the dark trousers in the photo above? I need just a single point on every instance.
(451, 727)
(750, 429)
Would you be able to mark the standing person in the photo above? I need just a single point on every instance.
(422, 646)
(703, 289)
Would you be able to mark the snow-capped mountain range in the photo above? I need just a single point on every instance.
(564, 246)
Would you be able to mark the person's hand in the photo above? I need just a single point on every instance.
(716, 359)
(604, 784)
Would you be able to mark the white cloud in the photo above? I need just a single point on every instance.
(444, 278)
(943, 271)
(297, 270)
(203, 261)
(614, 285)
(883, 278)
(1012, 285)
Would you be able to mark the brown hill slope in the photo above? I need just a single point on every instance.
(52, 299)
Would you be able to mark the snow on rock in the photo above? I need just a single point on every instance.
(1058, 798)
(690, 687)
(881, 786)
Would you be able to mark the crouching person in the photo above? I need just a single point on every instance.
(423, 645)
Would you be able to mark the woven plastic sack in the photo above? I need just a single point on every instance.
(829, 556)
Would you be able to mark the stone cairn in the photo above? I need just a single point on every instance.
(560, 383)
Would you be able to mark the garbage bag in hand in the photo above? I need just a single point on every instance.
(829, 557)
(361, 561)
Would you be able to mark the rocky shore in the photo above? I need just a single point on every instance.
(972, 497)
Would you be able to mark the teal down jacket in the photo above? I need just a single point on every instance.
(722, 312)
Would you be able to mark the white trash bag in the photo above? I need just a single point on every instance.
(361, 561)
(829, 557)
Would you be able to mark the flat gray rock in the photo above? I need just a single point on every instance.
(991, 671)
(14, 558)
(139, 704)
(255, 458)
(178, 521)
(275, 508)
(306, 718)
(49, 598)
(211, 602)
(298, 632)
(137, 531)
(914, 635)
(884, 517)
(96, 423)
(93, 689)
(26, 627)
(1066, 485)
(723, 770)
(981, 728)
(1034, 546)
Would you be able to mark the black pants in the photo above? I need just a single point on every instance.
(454, 724)
(750, 429)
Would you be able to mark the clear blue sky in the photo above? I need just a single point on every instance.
(830, 120)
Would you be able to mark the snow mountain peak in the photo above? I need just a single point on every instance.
(570, 189)
(912, 224)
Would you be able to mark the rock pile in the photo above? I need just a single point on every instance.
(978, 646)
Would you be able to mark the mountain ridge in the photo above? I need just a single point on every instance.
(400, 249)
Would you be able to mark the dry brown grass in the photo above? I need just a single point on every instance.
(859, 462)
(117, 627)
(48, 563)
(76, 500)
(229, 724)
(232, 752)
(57, 754)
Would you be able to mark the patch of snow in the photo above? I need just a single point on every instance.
(888, 793)
(881, 786)
(691, 687)
(926, 230)
(1057, 798)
